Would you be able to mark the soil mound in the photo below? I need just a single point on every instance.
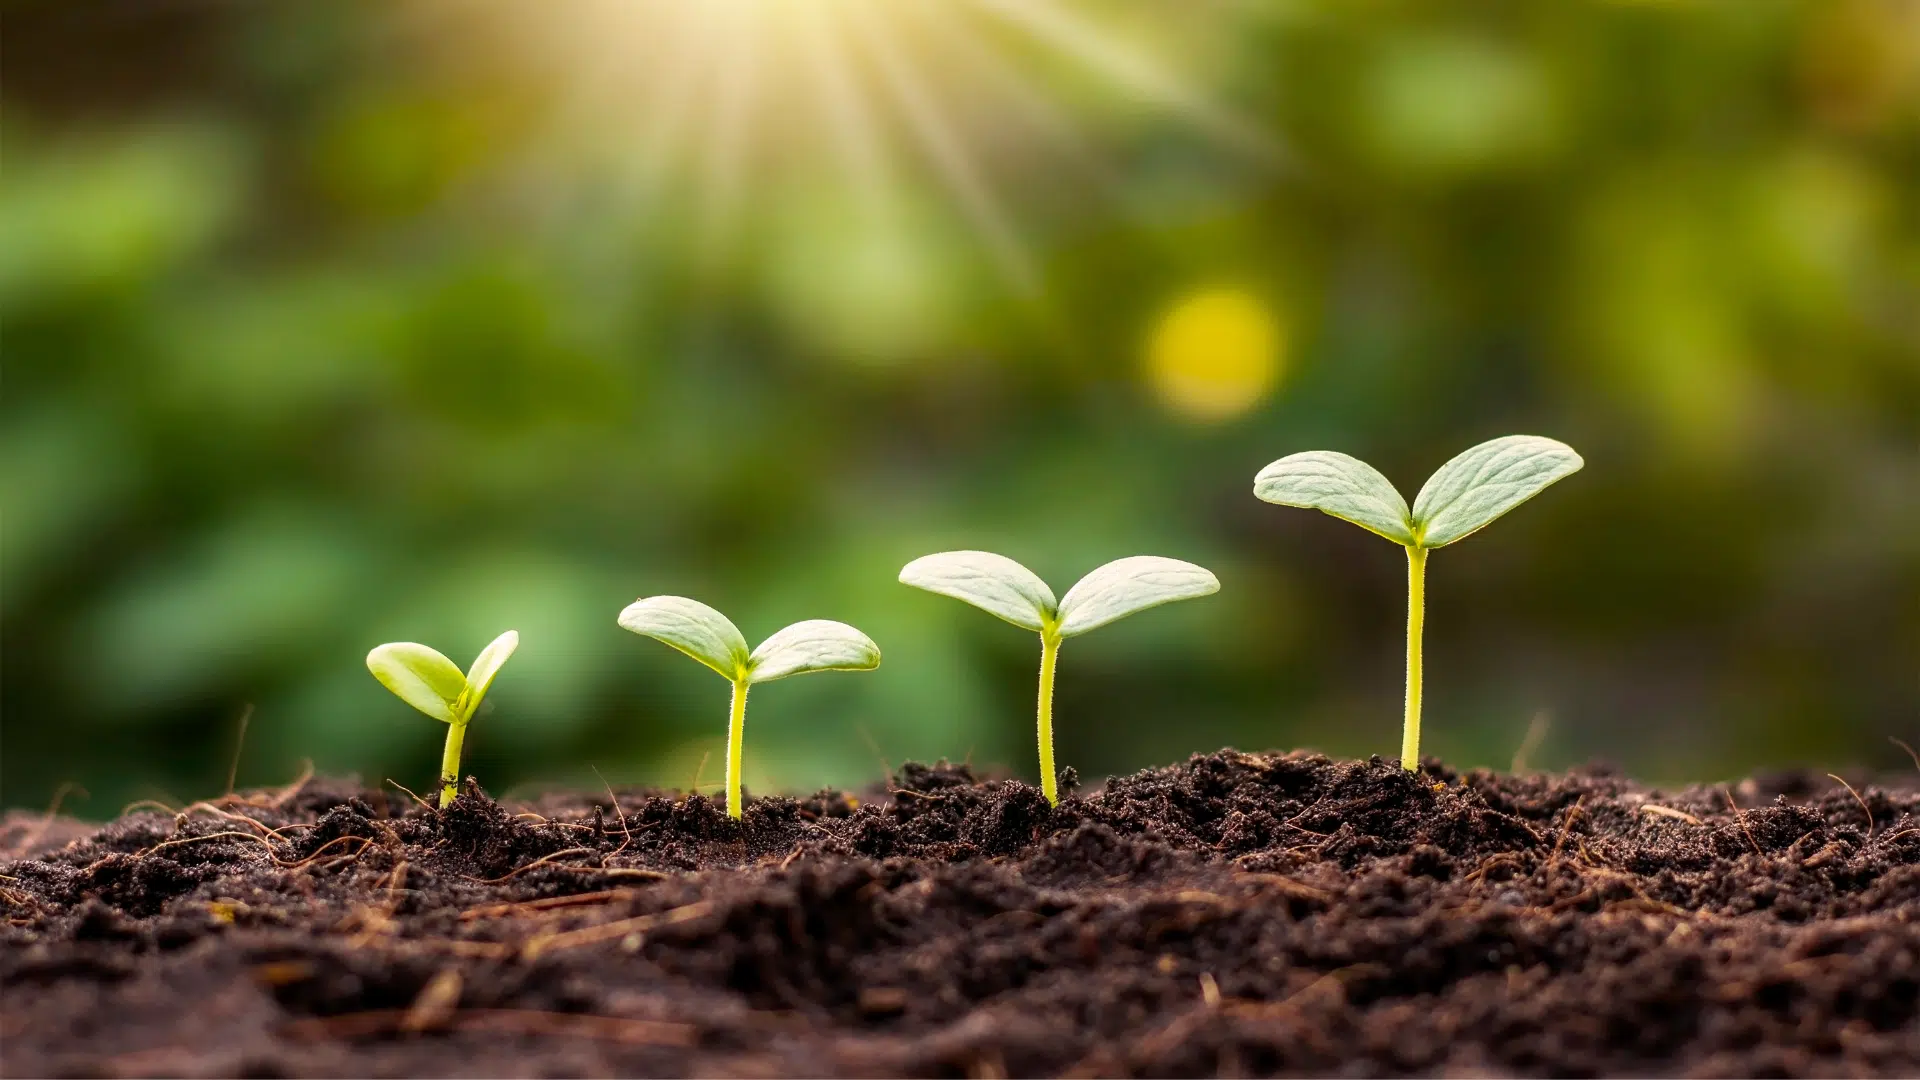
(1236, 914)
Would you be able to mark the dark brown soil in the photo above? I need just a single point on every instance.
(1238, 914)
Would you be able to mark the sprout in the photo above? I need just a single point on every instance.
(999, 586)
(428, 681)
(709, 637)
(1464, 496)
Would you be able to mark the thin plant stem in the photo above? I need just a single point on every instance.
(736, 734)
(1049, 657)
(450, 764)
(239, 743)
(1416, 622)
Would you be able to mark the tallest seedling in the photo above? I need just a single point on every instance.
(1464, 496)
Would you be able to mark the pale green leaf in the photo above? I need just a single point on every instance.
(1124, 586)
(693, 628)
(419, 676)
(486, 666)
(1476, 487)
(1334, 483)
(813, 645)
(993, 583)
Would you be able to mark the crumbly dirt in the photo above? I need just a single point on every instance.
(1236, 914)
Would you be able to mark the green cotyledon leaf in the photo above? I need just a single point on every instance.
(1479, 485)
(693, 628)
(486, 666)
(1340, 485)
(993, 583)
(1125, 586)
(813, 645)
(421, 677)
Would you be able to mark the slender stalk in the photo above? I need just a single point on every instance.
(450, 764)
(1049, 657)
(1416, 622)
(736, 734)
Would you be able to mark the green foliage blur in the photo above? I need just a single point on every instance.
(331, 324)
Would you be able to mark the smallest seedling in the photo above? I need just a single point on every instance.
(428, 681)
(1465, 495)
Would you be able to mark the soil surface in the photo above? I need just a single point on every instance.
(1236, 914)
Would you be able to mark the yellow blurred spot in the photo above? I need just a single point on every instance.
(1215, 354)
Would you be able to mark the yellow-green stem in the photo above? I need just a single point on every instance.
(736, 733)
(1416, 622)
(1049, 656)
(450, 764)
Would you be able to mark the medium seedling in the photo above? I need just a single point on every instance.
(1464, 496)
(428, 681)
(711, 638)
(999, 586)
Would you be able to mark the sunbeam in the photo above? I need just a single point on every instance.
(733, 115)
(734, 46)
(949, 155)
(1040, 115)
(843, 109)
(1135, 72)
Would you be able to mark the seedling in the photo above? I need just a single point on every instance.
(1464, 496)
(709, 637)
(428, 681)
(999, 586)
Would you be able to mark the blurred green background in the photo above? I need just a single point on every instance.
(331, 323)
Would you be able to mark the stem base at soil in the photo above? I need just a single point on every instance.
(736, 734)
(450, 764)
(1049, 657)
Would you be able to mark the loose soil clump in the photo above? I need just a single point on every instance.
(1236, 914)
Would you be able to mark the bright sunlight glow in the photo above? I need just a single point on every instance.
(710, 110)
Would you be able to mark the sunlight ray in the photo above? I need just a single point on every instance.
(851, 123)
(698, 121)
(1043, 116)
(598, 78)
(734, 47)
(1051, 23)
(952, 163)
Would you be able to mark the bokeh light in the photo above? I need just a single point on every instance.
(1215, 354)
